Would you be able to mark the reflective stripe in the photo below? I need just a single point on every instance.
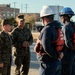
(59, 43)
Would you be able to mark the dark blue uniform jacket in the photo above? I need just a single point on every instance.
(68, 31)
(47, 36)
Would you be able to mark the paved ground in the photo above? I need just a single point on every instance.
(34, 65)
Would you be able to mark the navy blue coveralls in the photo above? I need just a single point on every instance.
(49, 63)
(68, 61)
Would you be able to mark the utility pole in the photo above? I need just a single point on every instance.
(14, 9)
(58, 13)
(26, 7)
(21, 7)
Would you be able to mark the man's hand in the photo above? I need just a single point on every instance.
(25, 44)
(61, 56)
(39, 53)
(1, 65)
(38, 46)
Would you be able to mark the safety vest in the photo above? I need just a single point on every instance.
(59, 42)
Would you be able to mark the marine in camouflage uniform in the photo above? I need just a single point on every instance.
(5, 52)
(22, 54)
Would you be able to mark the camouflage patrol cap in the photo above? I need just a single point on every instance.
(6, 22)
(21, 17)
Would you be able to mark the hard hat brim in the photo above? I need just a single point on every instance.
(46, 15)
(66, 14)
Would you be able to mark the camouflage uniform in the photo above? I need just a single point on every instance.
(22, 54)
(5, 53)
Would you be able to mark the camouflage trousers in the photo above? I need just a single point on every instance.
(22, 64)
(6, 70)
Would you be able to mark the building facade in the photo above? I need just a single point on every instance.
(7, 12)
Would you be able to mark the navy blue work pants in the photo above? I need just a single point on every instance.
(68, 63)
(50, 68)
